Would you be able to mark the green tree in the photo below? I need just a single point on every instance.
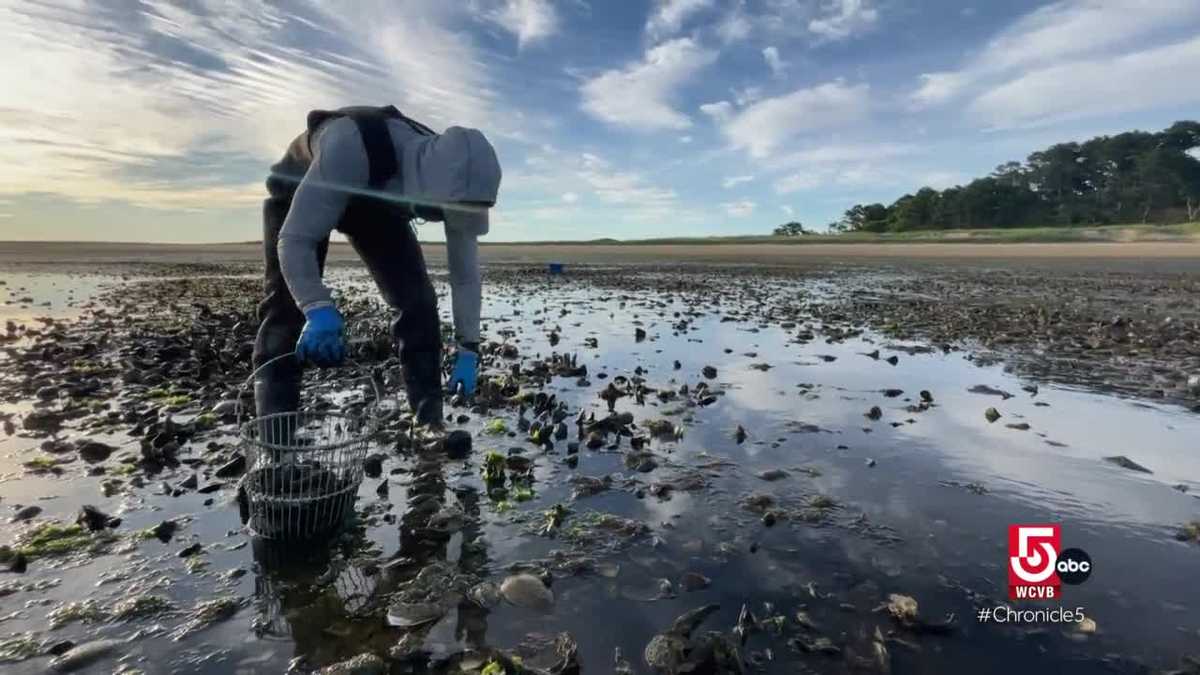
(1135, 175)
(790, 229)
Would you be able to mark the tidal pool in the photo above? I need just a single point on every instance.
(910, 499)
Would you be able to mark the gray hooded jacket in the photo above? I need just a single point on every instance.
(456, 170)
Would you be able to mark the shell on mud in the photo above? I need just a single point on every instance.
(526, 590)
(903, 608)
(411, 615)
(486, 595)
(664, 652)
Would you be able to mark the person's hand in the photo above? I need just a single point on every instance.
(321, 341)
(465, 371)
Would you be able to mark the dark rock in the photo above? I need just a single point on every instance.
(1126, 463)
(164, 530)
(989, 391)
(926, 396)
(60, 648)
(874, 413)
(43, 421)
(194, 549)
(210, 488)
(94, 520)
(373, 465)
(892, 393)
(991, 414)
(233, 468)
(25, 513)
(694, 581)
(893, 359)
(458, 444)
(709, 372)
(190, 483)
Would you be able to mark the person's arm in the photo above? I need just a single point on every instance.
(339, 163)
(466, 290)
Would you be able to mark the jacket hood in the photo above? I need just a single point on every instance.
(460, 166)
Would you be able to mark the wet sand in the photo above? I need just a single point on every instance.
(870, 465)
(1180, 256)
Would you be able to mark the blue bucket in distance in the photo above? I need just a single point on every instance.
(556, 268)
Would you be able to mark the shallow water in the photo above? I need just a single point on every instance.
(937, 503)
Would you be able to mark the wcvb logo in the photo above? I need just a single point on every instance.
(1038, 565)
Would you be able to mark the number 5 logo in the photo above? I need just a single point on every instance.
(1033, 551)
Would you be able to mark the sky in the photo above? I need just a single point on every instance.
(148, 120)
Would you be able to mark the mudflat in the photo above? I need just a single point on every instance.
(1175, 255)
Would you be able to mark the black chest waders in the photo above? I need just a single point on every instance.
(380, 229)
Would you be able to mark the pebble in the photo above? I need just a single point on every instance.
(84, 655)
(694, 581)
(25, 513)
(526, 590)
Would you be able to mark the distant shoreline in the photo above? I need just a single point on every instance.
(1107, 234)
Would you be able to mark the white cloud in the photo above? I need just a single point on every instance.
(641, 95)
(840, 153)
(719, 111)
(796, 182)
(685, 139)
(570, 197)
(774, 61)
(739, 209)
(668, 16)
(111, 108)
(1034, 53)
(937, 88)
(733, 181)
(736, 26)
(846, 164)
(788, 210)
(529, 20)
(1155, 77)
(764, 126)
(744, 97)
(622, 187)
(844, 18)
(940, 180)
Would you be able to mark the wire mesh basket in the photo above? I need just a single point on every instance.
(303, 469)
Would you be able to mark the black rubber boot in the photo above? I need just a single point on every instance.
(423, 384)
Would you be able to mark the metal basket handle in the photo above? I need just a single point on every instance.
(250, 380)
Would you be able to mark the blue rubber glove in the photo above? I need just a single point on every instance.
(321, 341)
(465, 367)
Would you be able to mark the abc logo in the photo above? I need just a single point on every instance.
(1074, 566)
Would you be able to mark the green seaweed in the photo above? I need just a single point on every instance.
(178, 399)
(206, 421)
(522, 493)
(493, 468)
(493, 667)
(554, 516)
(495, 427)
(19, 648)
(140, 607)
(54, 539)
(86, 611)
(822, 502)
(41, 464)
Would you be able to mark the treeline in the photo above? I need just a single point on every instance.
(1134, 177)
